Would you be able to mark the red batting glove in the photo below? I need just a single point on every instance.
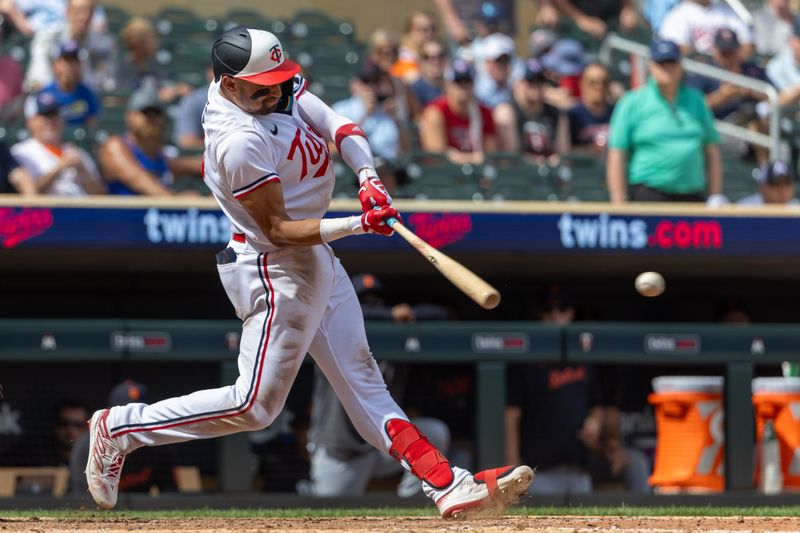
(374, 220)
(372, 193)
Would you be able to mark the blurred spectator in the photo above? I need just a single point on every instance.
(776, 185)
(563, 65)
(137, 162)
(662, 136)
(13, 178)
(383, 50)
(456, 124)
(12, 18)
(493, 82)
(371, 89)
(10, 82)
(595, 16)
(97, 50)
(692, 24)
(783, 70)
(342, 463)
(78, 103)
(555, 419)
(34, 16)
(773, 26)
(69, 423)
(430, 84)
(723, 98)
(729, 102)
(151, 467)
(138, 68)
(530, 124)
(189, 122)
(420, 29)
(588, 120)
(656, 10)
(56, 168)
(468, 20)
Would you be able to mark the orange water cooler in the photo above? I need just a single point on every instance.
(690, 449)
(778, 400)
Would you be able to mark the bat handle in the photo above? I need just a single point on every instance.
(391, 221)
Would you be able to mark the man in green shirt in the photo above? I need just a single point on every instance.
(663, 146)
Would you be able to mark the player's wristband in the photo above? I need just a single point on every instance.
(365, 173)
(331, 229)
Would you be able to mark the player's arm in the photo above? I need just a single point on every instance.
(265, 205)
(352, 145)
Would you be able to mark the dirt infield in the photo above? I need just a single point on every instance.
(559, 524)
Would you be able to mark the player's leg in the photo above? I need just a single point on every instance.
(342, 353)
(281, 298)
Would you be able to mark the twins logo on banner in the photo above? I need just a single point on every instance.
(19, 225)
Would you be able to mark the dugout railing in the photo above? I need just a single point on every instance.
(490, 346)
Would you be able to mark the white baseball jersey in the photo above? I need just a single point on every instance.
(690, 24)
(244, 152)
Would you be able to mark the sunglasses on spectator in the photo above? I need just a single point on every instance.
(597, 81)
(503, 59)
(426, 29)
(464, 83)
(433, 57)
(667, 63)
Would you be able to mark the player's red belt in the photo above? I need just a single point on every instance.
(239, 237)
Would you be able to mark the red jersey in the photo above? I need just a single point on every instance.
(457, 126)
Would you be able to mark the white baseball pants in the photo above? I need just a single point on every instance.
(292, 302)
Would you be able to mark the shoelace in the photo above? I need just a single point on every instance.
(111, 456)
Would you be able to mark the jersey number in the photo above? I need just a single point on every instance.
(313, 150)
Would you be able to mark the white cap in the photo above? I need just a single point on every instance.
(497, 45)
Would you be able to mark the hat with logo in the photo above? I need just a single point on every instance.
(534, 70)
(774, 173)
(366, 283)
(460, 70)
(253, 55)
(128, 391)
(541, 41)
(726, 41)
(42, 103)
(144, 98)
(662, 51)
(565, 58)
(496, 46)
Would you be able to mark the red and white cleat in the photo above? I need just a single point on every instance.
(487, 491)
(105, 462)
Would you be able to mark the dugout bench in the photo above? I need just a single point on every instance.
(487, 345)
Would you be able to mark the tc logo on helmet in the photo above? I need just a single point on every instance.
(275, 53)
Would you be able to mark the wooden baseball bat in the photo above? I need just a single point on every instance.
(467, 281)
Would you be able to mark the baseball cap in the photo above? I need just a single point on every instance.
(662, 51)
(565, 58)
(497, 45)
(128, 391)
(541, 41)
(42, 103)
(726, 41)
(775, 172)
(533, 70)
(459, 70)
(253, 55)
(366, 282)
(144, 98)
(68, 50)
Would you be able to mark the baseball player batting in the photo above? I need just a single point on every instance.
(267, 164)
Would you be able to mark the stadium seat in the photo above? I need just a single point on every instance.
(10, 477)
(346, 183)
(581, 176)
(432, 175)
(117, 17)
(509, 176)
(241, 17)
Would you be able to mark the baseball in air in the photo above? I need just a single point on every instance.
(650, 284)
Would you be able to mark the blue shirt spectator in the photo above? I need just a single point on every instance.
(589, 119)
(78, 106)
(370, 89)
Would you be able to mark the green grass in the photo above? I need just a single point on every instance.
(333, 513)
